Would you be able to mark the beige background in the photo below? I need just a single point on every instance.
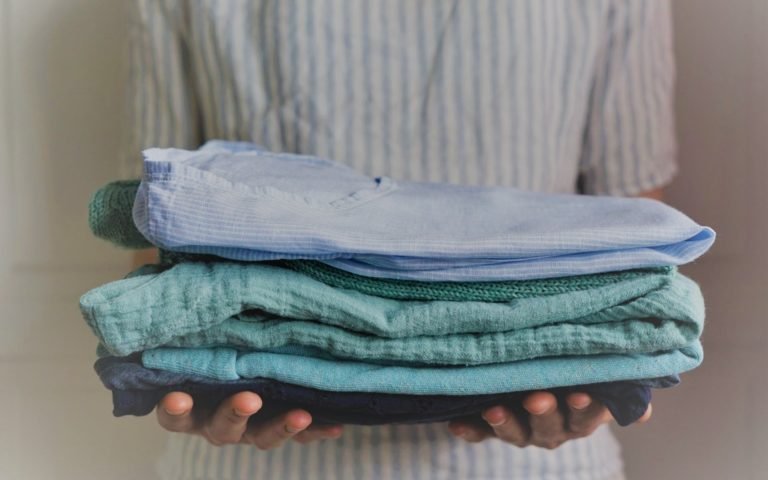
(61, 76)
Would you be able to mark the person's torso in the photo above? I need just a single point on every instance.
(474, 92)
(396, 452)
(482, 92)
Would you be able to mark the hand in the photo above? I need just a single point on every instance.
(547, 427)
(229, 423)
(144, 257)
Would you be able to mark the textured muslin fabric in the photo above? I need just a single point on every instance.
(258, 306)
(345, 376)
(256, 205)
(136, 390)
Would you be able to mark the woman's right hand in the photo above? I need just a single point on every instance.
(229, 423)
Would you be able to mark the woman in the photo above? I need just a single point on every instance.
(546, 95)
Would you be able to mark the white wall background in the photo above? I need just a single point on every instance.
(715, 425)
(60, 77)
(60, 81)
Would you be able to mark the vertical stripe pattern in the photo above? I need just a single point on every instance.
(528, 93)
(425, 452)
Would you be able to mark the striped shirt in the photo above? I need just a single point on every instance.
(546, 95)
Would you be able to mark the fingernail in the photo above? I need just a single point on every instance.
(175, 413)
(459, 431)
(537, 410)
(495, 417)
(580, 406)
(241, 413)
(292, 429)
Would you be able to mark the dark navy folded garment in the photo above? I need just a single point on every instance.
(136, 390)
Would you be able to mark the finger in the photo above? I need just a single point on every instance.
(548, 429)
(507, 426)
(319, 432)
(647, 415)
(472, 432)
(174, 413)
(274, 432)
(230, 420)
(457, 427)
(585, 414)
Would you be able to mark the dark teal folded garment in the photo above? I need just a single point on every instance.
(109, 215)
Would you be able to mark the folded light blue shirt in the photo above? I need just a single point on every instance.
(240, 202)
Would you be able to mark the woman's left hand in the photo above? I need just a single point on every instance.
(547, 426)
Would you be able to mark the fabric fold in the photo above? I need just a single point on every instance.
(371, 301)
(259, 307)
(112, 221)
(136, 390)
(226, 364)
(257, 205)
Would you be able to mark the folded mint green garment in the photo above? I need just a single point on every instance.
(345, 376)
(673, 325)
(257, 307)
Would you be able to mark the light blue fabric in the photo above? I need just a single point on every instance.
(257, 205)
(343, 376)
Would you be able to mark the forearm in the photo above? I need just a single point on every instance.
(655, 194)
(143, 257)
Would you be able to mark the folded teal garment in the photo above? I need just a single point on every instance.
(345, 376)
(673, 325)
(109, 215)
(259, 307)
(455, 291)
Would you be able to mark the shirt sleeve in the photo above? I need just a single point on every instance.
(629, 140)
(161, 105)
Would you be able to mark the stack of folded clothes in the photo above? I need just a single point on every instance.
(371, 301)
